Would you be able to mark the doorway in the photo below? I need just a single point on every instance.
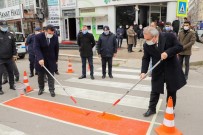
(70, 29)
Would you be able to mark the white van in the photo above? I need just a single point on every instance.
(20, 44)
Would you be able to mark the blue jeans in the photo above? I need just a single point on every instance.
(90, 61)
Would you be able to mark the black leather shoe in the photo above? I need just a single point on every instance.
(149, 112)
(57, 72)
(40, 91)
(83, 76)
(52, 93)
(31, 75)
(103, 76)
(92, 77)
(110, 76)
(12, 87)
(17, 78)
(4, 82)
(1, 92)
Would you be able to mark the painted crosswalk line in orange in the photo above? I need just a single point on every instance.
(95, 120)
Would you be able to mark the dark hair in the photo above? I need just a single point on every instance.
(50, 27)
(168, 23)
(187, 22)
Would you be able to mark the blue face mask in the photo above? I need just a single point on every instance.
(168, 28)
(4, 29)
(84, 31)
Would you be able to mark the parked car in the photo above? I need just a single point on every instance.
(20, 44)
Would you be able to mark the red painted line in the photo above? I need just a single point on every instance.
(95, 120)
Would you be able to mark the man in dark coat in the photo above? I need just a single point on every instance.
(164, 46)
(86, 42)
(176, 25)
(119, 34)
(30, 43)
(8, 54)
(46, 48)
(107, 48)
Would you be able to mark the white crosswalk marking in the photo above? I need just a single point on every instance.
(5, 130)
(120, 85)
(123, 76)
(106, 97)
(124, 70)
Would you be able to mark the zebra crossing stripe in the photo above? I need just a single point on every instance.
(120, 85)
(123, 70)
(123, 76)
(105, 97)
(5, 130)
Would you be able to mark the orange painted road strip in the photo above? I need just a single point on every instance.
(109, 123)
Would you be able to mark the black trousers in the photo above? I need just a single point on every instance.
(154, 98)
(109, 61)
(187, 63)
(8, 64)
(119, 41)
(41, 82)
(32, 62)
(90, 61)
(15, 72)
(130, 47)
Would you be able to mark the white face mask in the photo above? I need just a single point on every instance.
(37, 32)
(186, 28)
(150, 42)
(49, 35)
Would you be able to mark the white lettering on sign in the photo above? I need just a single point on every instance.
(10, 13)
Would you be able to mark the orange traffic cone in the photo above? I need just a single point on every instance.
(26, 82)
(70, 68)
(168, 126)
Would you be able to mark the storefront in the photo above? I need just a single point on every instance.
(96, 14)
(69, 23)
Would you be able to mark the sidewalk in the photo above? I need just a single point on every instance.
(131, 60)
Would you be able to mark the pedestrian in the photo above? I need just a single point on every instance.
(140, 36)
(164, 46)
(30, 44)
(46, 48)
(86, 43)
(8, 54)
(119, 34)
(136, 28)
(15, 72)
(131, 38)
(187, 39)
(176, 25)
(107, 49)
(126, 35)
(168, 28)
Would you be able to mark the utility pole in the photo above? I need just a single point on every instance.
(21, 17)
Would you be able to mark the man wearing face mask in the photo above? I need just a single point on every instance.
(131, 38)
(86, 42)
(46, 48)
(8, 54)
(119, 34)
(140, 36)
(187, 38)
(168, 28)
(30, 43)
(107, 49)
(164, 46)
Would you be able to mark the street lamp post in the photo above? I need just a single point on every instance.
(21, 17)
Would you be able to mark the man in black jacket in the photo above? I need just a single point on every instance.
(8, 53)
(164, 46)
(107, 48)
(86, 42)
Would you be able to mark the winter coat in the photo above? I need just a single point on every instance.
(140, 33)
(120, 33)
(169, 71)
(107, 45)
(7, 45)
(176, 25)
(187, 40)
(30, 43)
(86, 42)
(48, 53)
(131, 36)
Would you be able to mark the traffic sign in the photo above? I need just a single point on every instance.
(182, 7)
